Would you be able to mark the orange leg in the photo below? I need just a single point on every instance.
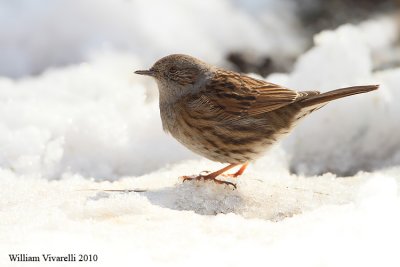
(240, 171)
(213, 175)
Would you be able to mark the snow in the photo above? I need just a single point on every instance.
(55, 33)
(281, 221)
(365, 125)
(73, 133)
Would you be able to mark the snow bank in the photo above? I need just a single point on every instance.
(94, 118)
(54, 33)
(356, 133)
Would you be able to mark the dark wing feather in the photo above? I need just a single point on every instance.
(239, 94)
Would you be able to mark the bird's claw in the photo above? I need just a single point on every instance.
(203, 173)
(224, 182)
(204, 178)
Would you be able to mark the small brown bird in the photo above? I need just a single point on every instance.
(226, 116)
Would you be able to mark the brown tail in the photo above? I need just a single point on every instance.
(335, 94)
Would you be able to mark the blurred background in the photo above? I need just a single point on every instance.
(259, 36)
(70, 103)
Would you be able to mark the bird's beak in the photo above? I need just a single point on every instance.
(145, 72)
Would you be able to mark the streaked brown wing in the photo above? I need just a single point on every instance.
(239, 94)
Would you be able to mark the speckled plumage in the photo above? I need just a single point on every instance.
(226, 116)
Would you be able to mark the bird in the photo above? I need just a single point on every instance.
(226, 116)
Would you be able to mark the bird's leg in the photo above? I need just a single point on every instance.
(212, 176)
(239, 172)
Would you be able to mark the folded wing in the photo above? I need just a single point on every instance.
(239, 95)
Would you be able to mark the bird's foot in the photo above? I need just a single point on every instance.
(204, 173)
(238, 173)
(208, 177)
(230, 175)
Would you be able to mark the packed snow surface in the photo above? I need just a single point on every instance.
(85, 167)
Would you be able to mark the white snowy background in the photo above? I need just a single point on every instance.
(75, 120)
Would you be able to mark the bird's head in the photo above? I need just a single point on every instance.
(177, 73)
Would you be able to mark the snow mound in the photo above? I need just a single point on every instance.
(46, 35)
(93, 118)
(355, 133)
